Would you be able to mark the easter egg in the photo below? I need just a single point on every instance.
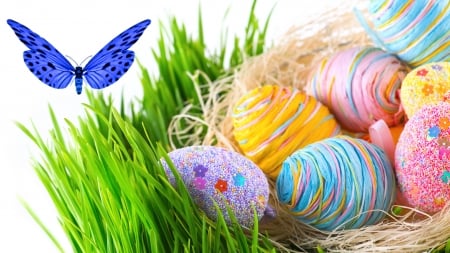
(217, 175)
(415, 30)
(426, 84)
(337, 183)
(271, 122)
(422, 158)
(360, 87)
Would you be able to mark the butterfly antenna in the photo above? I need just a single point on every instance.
(90, 56)
(70, 58)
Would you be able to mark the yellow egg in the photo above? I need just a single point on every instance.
(427, 84)
(271, 122)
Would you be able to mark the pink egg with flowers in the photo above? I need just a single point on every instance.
(422, 158)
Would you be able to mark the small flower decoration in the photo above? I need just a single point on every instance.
(422, 72)
(444, 142)
(446, 177)
(427, 90)
(239, 180)
(200, 170)
(436, 67)
(200, 183)
(440, 88)
(221, 185)
(444, 123)
(433, 132)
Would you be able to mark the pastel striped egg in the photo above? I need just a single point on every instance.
(337, 183)
(271, 122)
(360, 85)
(418, 31)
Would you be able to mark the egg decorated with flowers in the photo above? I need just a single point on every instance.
(422, 158)
(215, 175)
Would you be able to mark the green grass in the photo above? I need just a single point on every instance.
(113, 200)
(103, 172)
(178, 55)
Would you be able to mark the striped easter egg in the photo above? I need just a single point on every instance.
(271, 122)
(418, 31)
(337, 183)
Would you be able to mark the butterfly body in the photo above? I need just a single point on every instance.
(104, 68)
(78, 79)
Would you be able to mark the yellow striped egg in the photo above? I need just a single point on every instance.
(271, 122)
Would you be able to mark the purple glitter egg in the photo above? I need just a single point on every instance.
(214, 174)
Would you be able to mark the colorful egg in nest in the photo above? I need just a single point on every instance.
(427, 84)
(216, 175)
(337, 183)
(271, 122)
(417, 31)
(422, 158)
(360, 86)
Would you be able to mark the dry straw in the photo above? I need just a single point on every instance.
(289, 64)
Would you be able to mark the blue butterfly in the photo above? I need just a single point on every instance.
(53, 69)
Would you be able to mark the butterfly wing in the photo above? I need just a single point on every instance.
(40, 64)
(43, 59)
(114, 59)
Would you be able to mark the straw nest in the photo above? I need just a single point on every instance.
(289, 63)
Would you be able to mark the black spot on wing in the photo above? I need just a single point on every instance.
(106, 66)
(46, 46)
(108, 48)
(132, 42)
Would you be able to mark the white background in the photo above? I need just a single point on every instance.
(79, 29)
